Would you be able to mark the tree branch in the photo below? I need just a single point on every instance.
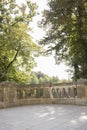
(8, 66)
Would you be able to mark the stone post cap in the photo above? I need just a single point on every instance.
(82, 81)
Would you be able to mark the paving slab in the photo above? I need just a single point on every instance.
(44, 117)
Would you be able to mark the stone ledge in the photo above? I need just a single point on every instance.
(33, 101)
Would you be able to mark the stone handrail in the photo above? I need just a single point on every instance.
(12, 94)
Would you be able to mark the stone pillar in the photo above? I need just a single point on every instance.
(46, 92)
(82, 88)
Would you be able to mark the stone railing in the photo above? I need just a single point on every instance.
(69, 91)
(12, 94)
(11, 91)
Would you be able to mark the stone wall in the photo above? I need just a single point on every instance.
(12, 91)
(12, 94)
(64, 91)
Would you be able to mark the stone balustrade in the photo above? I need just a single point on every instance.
(14, 94)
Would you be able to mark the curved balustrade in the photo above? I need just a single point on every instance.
(11, 91)
(64, 92)
(12, 94)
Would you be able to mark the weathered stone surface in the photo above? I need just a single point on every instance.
(81, 91)
(82, 82)
(12, 94)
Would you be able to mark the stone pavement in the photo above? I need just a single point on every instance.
(44, 117)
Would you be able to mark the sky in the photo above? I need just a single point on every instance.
(45, 64)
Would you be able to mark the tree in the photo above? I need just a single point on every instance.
(34, 79)
(42, 78)
(17, 49)
(39, 77)
(67, 33)
(54, 79)
(39, 74)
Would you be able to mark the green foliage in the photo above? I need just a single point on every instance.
(67, 33)
(54, 79)
(17, 49)
(34, 79)
(40, 78)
